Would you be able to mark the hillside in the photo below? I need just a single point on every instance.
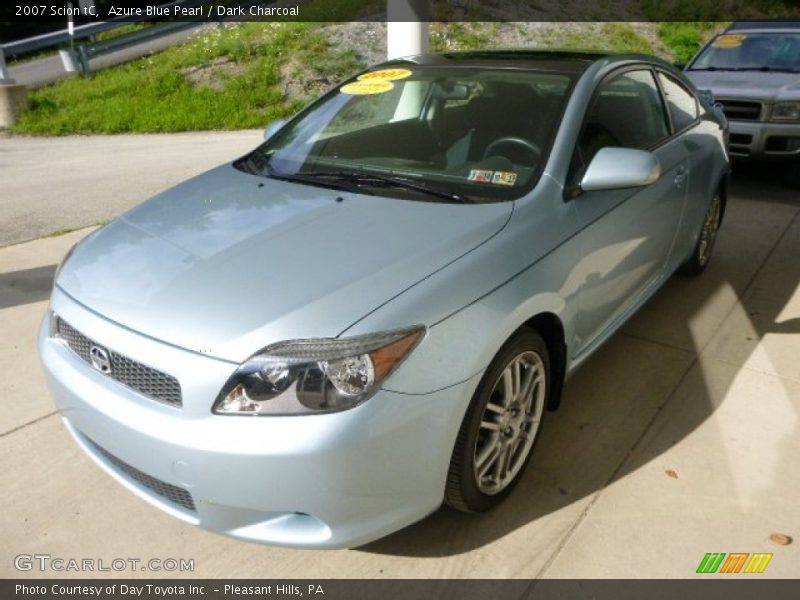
(244, 75)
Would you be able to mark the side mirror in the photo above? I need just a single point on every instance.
(617, 168)
(273, 128)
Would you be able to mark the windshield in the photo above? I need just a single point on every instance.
(429, 133)
(751, 52)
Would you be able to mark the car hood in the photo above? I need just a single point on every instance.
(228, 262)
(754, 85)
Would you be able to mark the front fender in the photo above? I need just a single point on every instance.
(472, 307)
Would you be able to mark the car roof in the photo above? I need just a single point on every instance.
(550, 60)
(793, 26)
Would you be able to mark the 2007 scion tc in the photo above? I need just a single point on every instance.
(320, 342)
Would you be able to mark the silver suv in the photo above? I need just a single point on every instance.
(753, 71)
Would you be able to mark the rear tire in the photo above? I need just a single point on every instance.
(500, 428)
(698, 262)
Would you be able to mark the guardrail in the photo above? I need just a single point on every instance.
(54, 38)
(79, 60)
(88, 51)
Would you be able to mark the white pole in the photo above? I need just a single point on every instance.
(68, 56)
(406, 27)
(70, 23)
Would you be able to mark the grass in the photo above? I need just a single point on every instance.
(228, 78)
(613, 37)
(622, 37)
(685, 25)
(60, 232)
(616, 37)
(104, 36)
(684, 39)
(461, 36)
(66, 230)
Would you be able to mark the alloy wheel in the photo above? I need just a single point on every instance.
(708, 235)
(510, 422)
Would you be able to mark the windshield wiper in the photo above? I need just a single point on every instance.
(769, 69)
(714, 69)
(762, 69)
(312, 178)
(376, 179)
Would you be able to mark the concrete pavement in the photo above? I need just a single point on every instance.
(51, 184)
(678, 438)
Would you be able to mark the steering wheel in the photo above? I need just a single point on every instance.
(508, 140)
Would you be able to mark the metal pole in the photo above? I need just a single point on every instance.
(406, 27)
(83, 61)
(5, 76)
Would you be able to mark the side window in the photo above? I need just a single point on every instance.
(682, 104)
(627, 111)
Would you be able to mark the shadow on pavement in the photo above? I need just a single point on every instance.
(595, 438)
(26, 286)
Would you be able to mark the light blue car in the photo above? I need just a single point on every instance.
(369, 314)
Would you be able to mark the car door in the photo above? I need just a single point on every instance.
(626, 234)
(702, 151)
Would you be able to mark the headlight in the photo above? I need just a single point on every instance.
(786, 111)
(315, 376)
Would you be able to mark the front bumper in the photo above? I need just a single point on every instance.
(323, 481)
(764, 140)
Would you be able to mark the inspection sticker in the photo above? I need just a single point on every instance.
(362, 88)
(729, 40)
(504, 177)
(386, 75)
(480, 175)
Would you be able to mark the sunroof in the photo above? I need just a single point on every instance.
(524, 54)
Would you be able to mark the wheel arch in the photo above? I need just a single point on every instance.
(722, 185)
(550, 327)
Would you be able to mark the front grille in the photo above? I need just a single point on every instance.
(141, 378)
(741, 139)
(171, 493)
(741, 110)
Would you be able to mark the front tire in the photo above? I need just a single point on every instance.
(499, 431)
(698, 262)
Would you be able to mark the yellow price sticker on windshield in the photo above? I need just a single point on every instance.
(729, 40)
(385, 75)
(363, 88)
